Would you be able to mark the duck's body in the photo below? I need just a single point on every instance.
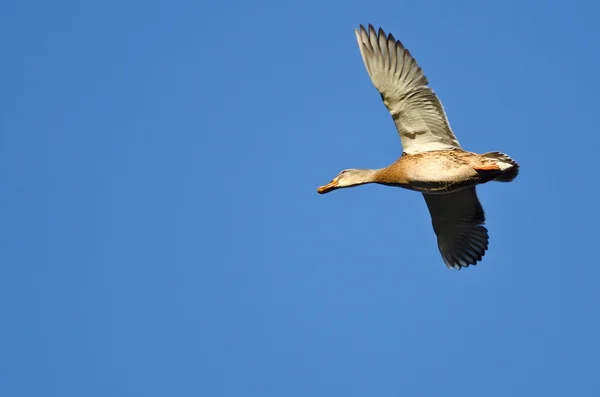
(433, 162)
(445, 171)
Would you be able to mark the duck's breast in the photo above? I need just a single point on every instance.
(441, 171)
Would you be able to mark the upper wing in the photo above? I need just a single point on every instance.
(458, 220)
(417, 111)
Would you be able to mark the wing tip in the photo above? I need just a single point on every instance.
(471, 254)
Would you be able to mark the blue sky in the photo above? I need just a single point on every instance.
(163, 236)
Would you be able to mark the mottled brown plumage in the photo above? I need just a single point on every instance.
(439, 171)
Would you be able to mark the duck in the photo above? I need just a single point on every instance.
(432, 161)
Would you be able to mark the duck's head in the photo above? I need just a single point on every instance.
(348, 178)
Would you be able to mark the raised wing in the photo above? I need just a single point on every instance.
(418, 113)
(458, 220)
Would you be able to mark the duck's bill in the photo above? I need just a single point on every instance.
(327, 188)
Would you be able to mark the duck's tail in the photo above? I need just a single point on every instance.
(508, 166)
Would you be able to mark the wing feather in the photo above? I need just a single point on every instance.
(457, 220)
(418, 113)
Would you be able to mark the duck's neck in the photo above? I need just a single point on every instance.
(364, 176)
(390, 176)
(369, 176)
(382, 176)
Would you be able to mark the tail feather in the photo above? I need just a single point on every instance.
(511, 167)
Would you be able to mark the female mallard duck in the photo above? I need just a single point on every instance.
(433, 162)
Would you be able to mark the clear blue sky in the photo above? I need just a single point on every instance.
(162, 234)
